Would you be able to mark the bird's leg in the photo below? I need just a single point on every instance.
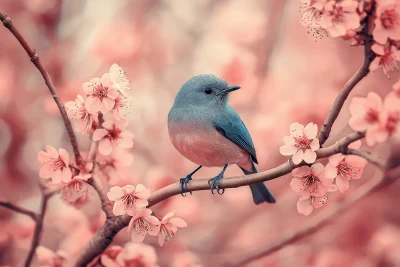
(214, 182)
(184, 181)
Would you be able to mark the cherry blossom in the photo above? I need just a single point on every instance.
(387, 21)
(365, 115)
(386, 57)
(83, 119)
(113, 134)
(128, 198)
(306, 205)
(168, 227)
(137, 255)
(119, 79)
(120, 108)
(345, 168)
(101, 94)
(302, 143)
(48, 258)
(338, 17)
(142, 223)
(310, 181)
(312, 17)
(108, 258)
(55, 164)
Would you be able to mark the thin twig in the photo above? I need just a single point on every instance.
(19, 209)
(377, 162)
(392, 176)
(106, 233)
(5, 19)
(38, 228)
(348, 87)
(106, 204)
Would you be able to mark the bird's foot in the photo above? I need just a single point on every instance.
(184, 182)
(214, 183)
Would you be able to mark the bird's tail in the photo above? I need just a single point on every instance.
(260, 191)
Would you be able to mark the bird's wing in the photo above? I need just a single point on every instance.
(232, 127)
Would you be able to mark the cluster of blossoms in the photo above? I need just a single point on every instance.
(132, 201)
(378, 118)
(346, 18)
(313, 183)
(106, 98)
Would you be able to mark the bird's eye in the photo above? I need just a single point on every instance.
(208, 91)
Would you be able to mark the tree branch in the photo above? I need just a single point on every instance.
(390, 177)
(348, 87)
(19, 209)
(5, 19)
(106, 233)
(38, 228)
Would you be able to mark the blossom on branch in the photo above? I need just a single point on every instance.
(302, 143)
(137, 255)
(48, 258)
(128, 199)
(143, 222)
(168, 227)
(55, 164)
(113, 134)
(339, 17)
(345, 168)
(306, 205)
(386, 57)
(83, 119)
(387, 21)
(310, 181)
(118, 77)
(101, 94)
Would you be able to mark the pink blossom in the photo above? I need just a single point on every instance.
(120, 108)
(338, 17)
(101, 94)
(302, 143)
(83, 120)
(142, 223)
(113, 134)
(345, 168)
(312, 11)
(108, 258)
(168, 227)
(76, 191)
(310, 181)
(135, 255)
(118, 77)
(386, 57)
(48, 258)
(128, 198)
(365, 113)
(387, 21)
(55, 164)
(306, 205)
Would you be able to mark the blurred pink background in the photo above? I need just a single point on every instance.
(285, 75)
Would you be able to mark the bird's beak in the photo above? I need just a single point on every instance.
(232, 88)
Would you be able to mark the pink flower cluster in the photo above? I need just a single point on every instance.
(313, 183)
(132, 200)
(378, 118)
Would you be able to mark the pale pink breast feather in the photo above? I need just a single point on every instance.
(206, 146)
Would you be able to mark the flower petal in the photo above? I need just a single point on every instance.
(311, 130)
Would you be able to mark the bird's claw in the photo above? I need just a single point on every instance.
(184, 184)
(214, 183)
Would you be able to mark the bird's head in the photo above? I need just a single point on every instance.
(204, 90)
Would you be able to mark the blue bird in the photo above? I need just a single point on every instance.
(205, 129)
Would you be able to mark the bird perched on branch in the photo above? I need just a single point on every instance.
(205, 129)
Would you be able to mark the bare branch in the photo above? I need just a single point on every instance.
(106, 233)
(19, 209)
(37, 234)
(348, 87)
(390, 177)
(36, 61)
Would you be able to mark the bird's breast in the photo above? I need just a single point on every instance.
(202, 144)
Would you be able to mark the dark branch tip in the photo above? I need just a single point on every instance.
(7, 21)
